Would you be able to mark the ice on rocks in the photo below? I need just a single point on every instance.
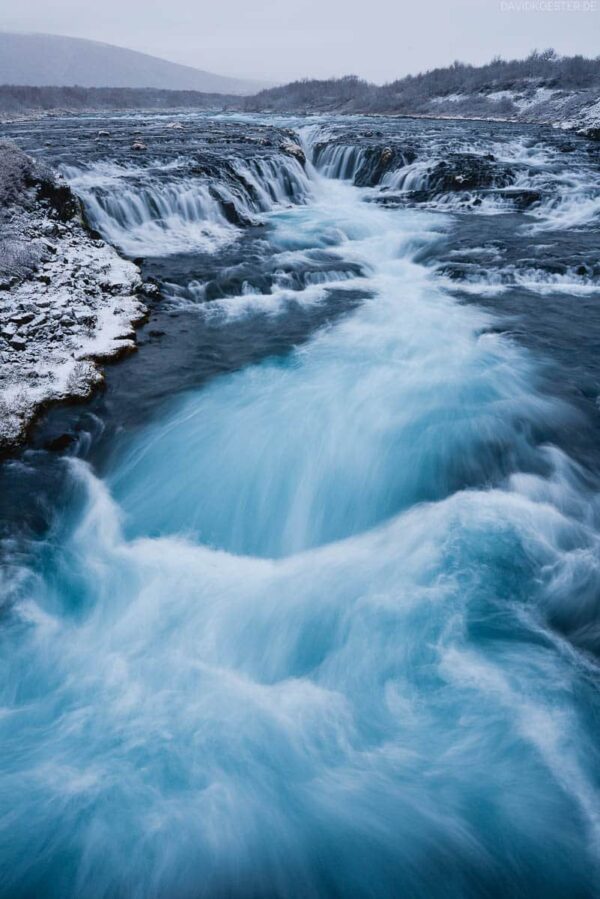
(62, 313)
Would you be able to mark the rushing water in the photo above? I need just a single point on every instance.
(311, 606)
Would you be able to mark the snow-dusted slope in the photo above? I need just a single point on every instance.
(569, 109)
(564, 92)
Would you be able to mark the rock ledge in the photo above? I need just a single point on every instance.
(67, 300)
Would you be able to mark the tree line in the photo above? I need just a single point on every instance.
(20, 98)
(411, 93)
(348, 94)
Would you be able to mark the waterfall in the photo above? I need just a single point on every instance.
(151, 216)
(324, 623)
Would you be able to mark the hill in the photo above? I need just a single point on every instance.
(544, 87)
(52, 60)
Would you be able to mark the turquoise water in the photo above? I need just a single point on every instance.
(300, 640)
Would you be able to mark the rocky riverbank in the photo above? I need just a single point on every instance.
(570, 110)
(549, 99)
(67, 300)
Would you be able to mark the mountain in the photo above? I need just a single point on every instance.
(52, 60)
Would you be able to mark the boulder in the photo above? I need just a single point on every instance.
(466, 171)
(294, 150)
(378, 161)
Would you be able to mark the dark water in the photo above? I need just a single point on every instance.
(309, 605)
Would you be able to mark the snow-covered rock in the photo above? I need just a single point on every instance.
(67, 300)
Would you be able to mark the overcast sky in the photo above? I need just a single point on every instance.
(280, 40)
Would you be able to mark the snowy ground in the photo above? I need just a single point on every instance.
(67, 300)
(574, 110)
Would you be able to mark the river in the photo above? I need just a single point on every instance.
(309, 607)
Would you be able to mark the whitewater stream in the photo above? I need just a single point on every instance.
(309, 606)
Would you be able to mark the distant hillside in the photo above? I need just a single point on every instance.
(543, 88)
(50, 60)
(23, 99)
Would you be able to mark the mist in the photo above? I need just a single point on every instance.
(278, 41)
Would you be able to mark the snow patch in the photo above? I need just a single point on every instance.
(75, 308)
